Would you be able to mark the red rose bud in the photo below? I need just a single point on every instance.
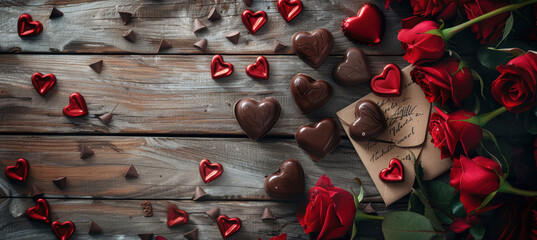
(329, 212)
(438, 9)
(422, 43)
(450, 130)
(516, 86)
(491, 29)
(444, 80)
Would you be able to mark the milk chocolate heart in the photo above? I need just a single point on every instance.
(369, 123)
(313, 48)
(176, 216)
(287, 182)
(354, 69)
(253, 21)
(40, 211)
(320, 139)
(43, 83)
(258, 70)
(366, 27)
(210, 171)
(257, 118)
(289, 9)
(18, 172)
(77, 106)
(308, 93)
(63, 230)
(388, 83)
(219, 68)
(393, 173)
(27, 27)
(228, 226)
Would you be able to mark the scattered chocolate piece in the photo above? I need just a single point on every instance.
(278, 46)
(370, 121)
(199, 194)
(164, 45)
(106, 118)
(126, 17)
(354, 69)
(320, 139)
(97, 66)
(55, 13)
(36, 192)
(233, 37)
(94, 228)
(60, 182)
(148, 209)
(213, 15)
(267, 214)
(247, 2)
(369, 209)
(214, 212)
(146, 236)
(192, 235)
(15, 50)
(287, 182)
(199, 26)
(131, 172)
(257, 118)
(130, 36)
(201, 44)
(303, 43)
(85, 151)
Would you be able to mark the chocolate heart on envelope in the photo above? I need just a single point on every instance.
(407, 118)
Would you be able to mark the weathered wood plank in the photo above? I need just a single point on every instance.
(123, 219)
(95, 26)
(158, 94)
(168, 168)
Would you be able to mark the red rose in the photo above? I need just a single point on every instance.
(516, 86)
(519, 219)
(489, 30)
(443, 80)
(329, 212)
(460, 225)
(448, 130)
(419, 46)
(439, 9)
(529, 220)
(475, 179)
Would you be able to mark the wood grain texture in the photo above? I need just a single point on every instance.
(168, 168)
(95, 26)
(159, 94)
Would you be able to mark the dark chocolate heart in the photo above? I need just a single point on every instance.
(287, 182)
(257, 118)
(314, 47)
(308, 93)
(369, 123)
(354, 69)
(320, 139)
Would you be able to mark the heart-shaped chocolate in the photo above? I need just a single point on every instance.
(43, 83)
(354, 69)
(369, 123)
(63, 230)
(289, 9)
(320, 139)
(27, 27)
(287, 182)
(228, 226)
(210, 171)
(219, 68)
(257, 118)
(258, 70)
(40, 211)
(313, 48)
(308, 93)
(253, 21)
(388, 83)
(393, 173)
(176, 216)
(366, 27)
(18, 172)
(77, 106)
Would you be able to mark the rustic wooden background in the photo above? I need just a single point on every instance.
(170, 114)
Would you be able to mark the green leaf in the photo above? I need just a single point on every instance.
(358, 198)
(477, 77)
(436, 32)
(407, 225)
(477, 231)
(414, 204)
(530, 122)
(508, 27)
(457, 209)
(429, 212)
(445, 219)
(513, 51)
(440, 193)
(353, 230)
(490, 59)
(485, 202)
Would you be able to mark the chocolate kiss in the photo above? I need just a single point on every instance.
(287, 182)
(320, 139)
(257, 118)
(369, 123)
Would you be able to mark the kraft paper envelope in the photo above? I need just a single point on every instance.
(407, 118)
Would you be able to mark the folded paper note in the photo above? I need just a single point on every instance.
(407, 118)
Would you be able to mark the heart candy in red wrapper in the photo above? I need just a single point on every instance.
(393, 173)
(77, 106)
(366, 27)
(219, 68)
(63, 230)
(27, 27)
(176, 216)
(18, 172)
(258, 70)
(228, 226)
(210, 171)
(289, 9)
(388, 83)
(43, 83)
(40, 211)
(253, 21)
